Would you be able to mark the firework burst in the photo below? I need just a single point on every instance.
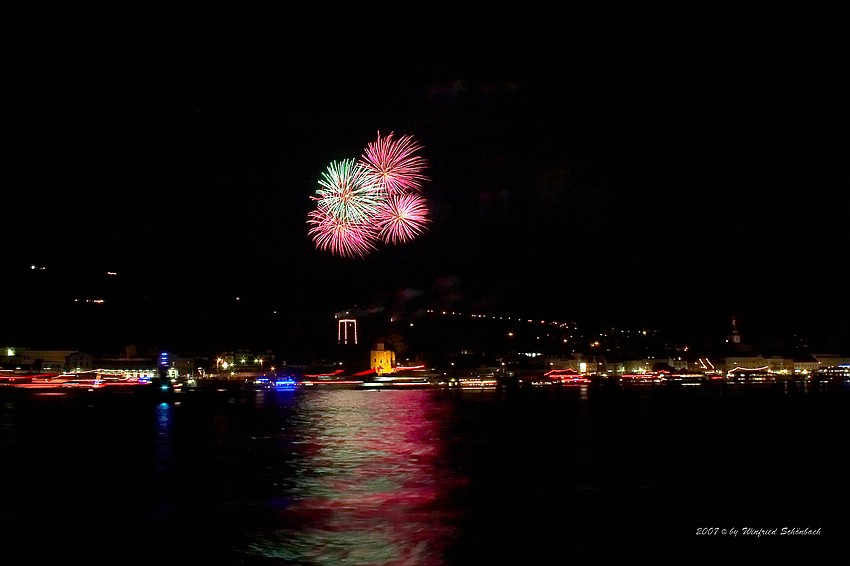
(394, 164)
(401, 218)
(345, 192)
(375, 199)
(341, 237)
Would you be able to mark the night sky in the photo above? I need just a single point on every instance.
(615, 166)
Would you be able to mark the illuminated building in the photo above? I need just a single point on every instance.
(382, 360)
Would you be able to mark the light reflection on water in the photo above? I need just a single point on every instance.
(367, 483)
(419, 477)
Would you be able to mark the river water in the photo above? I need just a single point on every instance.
(427, 477)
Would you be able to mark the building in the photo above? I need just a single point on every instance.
(381, 359)
(56, 361)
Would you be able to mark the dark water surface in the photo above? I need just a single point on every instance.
(426, 477)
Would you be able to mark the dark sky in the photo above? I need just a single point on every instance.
(612, 166)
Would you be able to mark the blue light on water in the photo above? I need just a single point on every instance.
(285, 383)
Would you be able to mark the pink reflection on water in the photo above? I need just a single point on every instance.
(370, 485)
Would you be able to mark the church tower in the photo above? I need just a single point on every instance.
(735, 335)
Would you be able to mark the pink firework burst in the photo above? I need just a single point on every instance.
(339, 236)
(402, 217)
(394, 164)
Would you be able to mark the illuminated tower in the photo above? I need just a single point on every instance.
(735, 336)
(346, 332)
(383, 360)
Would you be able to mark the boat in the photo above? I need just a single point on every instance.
(36, 384)
(750, 376)
(566, 376)
(336, 379)
(643, 379)
(472, 382)
(392, 381)
(331, 383)
(72, 384)
(264, 383)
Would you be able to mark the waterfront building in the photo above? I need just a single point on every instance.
(575, 362)
(57, 361)
(382, 359)
(136, 367)
(831, 360)
(804, 364)
(80, 361)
